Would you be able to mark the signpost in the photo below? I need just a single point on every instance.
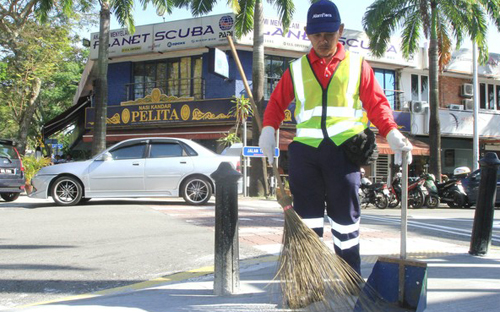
(255, 151)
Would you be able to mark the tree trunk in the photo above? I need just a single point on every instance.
(258, 172)
(101, 83)
(27, 116)
(434, 124)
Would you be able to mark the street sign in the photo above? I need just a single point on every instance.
(255, 151)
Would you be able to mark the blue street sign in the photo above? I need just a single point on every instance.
(255, 151)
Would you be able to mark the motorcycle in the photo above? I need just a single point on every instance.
(416, 192)
(376, 194)
(432, 199)
(452, 191)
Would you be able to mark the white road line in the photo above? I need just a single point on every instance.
(439, 228)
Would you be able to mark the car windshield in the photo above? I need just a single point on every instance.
(8, 151)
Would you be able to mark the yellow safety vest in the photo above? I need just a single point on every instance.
(334, 112)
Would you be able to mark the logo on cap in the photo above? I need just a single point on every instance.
(321, 15)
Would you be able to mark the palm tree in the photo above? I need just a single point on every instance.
(438, 21)
(123, 12)
(250, 16)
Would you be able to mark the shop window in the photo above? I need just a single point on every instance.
(449, 158)
(275, 67)
(177, 77)
(489, 96)
(498, 97)
(419, 88)
(387, 80)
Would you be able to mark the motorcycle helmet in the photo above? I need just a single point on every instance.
(461, 171)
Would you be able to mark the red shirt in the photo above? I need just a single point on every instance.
(371, 94)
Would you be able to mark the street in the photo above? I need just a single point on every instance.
(49, 252)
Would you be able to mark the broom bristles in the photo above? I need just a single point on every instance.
(310, 272)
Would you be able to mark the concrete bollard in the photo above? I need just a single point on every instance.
(226, 271)
(483, 218)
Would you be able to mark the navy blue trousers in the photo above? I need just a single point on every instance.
(323, 178)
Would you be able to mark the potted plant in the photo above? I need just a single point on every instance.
(31, 166)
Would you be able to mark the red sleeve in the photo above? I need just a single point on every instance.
(374, 101)
(281, 97)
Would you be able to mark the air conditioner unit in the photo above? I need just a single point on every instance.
(468, 104)
(466, 90)
(455, 107)
(419, 107)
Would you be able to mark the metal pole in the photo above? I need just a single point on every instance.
(404, 204)
(475, 139)
(245, 161)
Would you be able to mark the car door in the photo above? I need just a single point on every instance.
(123, 173)
(168, 162)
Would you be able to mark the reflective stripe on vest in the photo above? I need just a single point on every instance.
(343, 109)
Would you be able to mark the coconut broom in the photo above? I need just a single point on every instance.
(308, 270)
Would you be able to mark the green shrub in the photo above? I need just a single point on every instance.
(32, 165)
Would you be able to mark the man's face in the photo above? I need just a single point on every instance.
(325, 43)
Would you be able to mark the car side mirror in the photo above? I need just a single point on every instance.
(105, 157)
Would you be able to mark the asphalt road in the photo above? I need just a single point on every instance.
(48, 252)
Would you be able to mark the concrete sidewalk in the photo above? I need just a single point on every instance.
(456, 282)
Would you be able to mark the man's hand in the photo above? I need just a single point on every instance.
(399, 143)
(267, 142)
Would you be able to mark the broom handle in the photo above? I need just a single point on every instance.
(256, 114)
(404, 204)
(245, 83)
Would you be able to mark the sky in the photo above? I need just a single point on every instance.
(351, 12)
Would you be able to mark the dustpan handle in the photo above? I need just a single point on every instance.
(404, 204)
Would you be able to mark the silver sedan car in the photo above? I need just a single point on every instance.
(146, 167)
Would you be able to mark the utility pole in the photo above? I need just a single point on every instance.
(475, 133)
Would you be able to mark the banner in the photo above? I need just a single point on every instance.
(177, 35)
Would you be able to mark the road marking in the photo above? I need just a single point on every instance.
(439, 228)
(175, 277)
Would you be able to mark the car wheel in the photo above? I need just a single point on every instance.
(66, 191)
(10, 196)
(196, 190)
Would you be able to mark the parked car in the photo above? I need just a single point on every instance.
(145, 167)
(11, 171)
(471, 185)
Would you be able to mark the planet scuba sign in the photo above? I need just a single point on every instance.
(164, 37)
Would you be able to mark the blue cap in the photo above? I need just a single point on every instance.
(323, 16)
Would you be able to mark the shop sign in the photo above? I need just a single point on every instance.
(170, 36)
(160, 109)
(459, 124)
(296, 40)
(461, 62)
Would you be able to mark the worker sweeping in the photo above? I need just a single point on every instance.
(331, 87)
